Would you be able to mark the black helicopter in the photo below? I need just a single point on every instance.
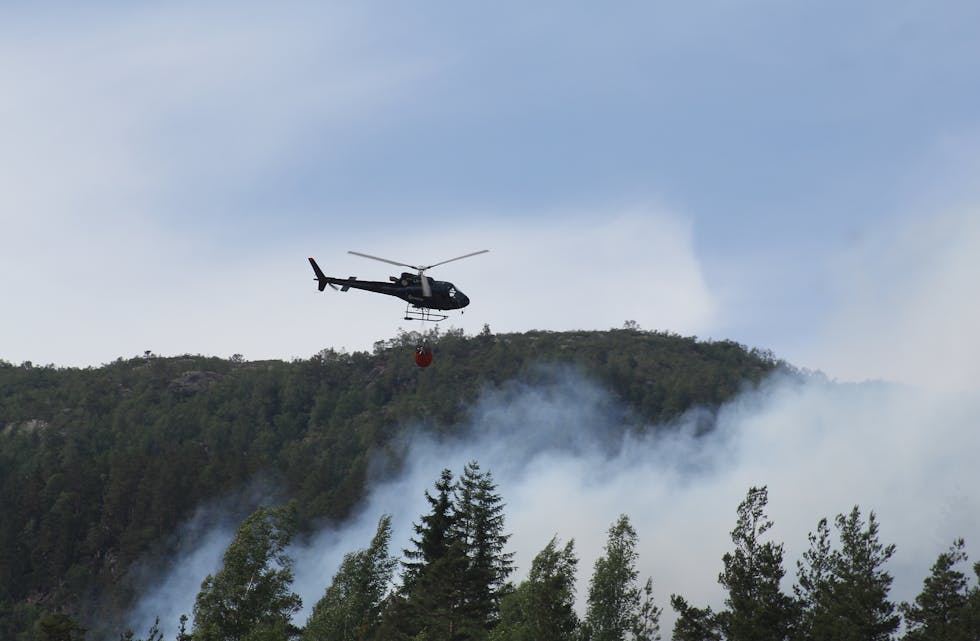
(423, 294)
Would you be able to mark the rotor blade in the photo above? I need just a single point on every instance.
(384, 260)
(426, 290)
(482, 251)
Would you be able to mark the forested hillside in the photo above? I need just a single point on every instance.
(98, 465)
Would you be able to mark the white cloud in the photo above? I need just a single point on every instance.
(910, 305)
(584, 272)
(128, 136)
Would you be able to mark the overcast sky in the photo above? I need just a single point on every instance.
(793, 176)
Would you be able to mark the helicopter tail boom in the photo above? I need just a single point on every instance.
(322, 280)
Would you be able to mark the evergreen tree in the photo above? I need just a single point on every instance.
(427, 602)
(182, 634)
(844, 592)
(815, 587)
(455, 575)
(154, 633)
(940, 611)
(861, 583)
(479, 527)
(434, 535)
(351, 606)
(756, 608)
(542, 606)
(694, 624)
(614, 611)
(87, 492)
(249, 597)
(972, 616)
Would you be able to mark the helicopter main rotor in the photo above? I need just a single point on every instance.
(426, 289)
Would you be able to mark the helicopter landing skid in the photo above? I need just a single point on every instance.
(423, 314)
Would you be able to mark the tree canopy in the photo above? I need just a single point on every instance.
(99, 466)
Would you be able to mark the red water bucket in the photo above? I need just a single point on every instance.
(423, 356)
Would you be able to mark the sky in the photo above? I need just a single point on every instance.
(799, 177)
(780, 174)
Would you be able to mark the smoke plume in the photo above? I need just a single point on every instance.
(567, 465)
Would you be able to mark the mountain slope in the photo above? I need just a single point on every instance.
(99, 465)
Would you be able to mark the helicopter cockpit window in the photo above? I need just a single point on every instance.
(452, 292)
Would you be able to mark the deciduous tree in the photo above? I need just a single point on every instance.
(350, 608)
(250, 596)
(543, 605)
(615, 611)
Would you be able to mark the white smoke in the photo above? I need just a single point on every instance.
(566, 466)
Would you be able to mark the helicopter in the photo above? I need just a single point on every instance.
(426, 297)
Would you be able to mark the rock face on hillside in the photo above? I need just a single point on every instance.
(194, 382)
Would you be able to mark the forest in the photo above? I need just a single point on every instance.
(98, 466)
(453, 585)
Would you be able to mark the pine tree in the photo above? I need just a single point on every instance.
(182, 634)
(614, 611)
(815, 586)
(843, 593)
(862, 585)
(351, 606)
(757, 609)
(154, 633)
(972, 617)
(940, 611)
(694, 624)
(250, 597)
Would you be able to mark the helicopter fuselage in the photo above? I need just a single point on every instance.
(408, 287)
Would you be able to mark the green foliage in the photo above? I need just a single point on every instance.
(478, 525)
(351, 607)
(153, 634)
(615, 611)
(815, 586)
(434, 532)
(543, 606)
(843, 592)
(58, 627)
(455, 576)
(98, 466)
(867, 610)
(941, 610)
(756, 607)
(694, 624)
(250, 597)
